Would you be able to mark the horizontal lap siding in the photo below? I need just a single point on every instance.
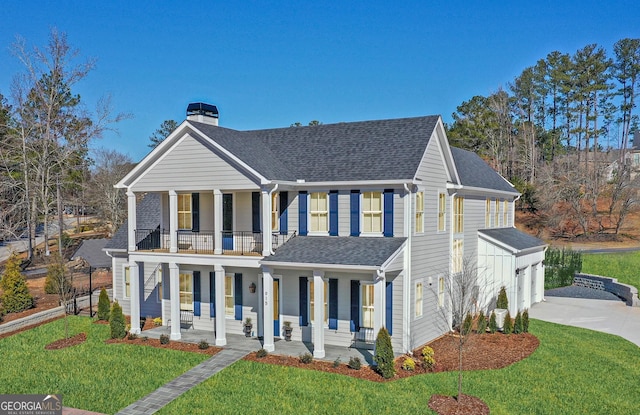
(474, 219)
(292, 211)
(190, 165)
(396, 339)
(243, 212)
(150, 304)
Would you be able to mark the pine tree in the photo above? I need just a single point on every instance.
(525, 321)
(493, 324)
(15, 292)
(384, 354)
(482, 324)
(502, 299)
(508, 324)
(103, 305)
(117, 322)
(517, 325)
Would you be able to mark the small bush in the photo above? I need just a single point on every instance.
(336, 363)
(517, 324)
(103, 305)
(306, 358)
(164, 339)
(132, 336)
(157, 321)
(427, 357)
(354, 363)
(502, 299)
(525, 321)
(203, 345)
(481, 327)
(117, 322)
(261, 353)
(466, 325)
(493, 324)
(145, 338)
(508, 324)
(384, 355)
(409, 364)
(15, 292)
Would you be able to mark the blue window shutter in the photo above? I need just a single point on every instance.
(333, 303)
(284, 214)
(304, 307)
(333, 213)
(355, 213)
(255, 211)
(355, 306)
(212, 294)
(196, 293)
(302, 213)
(389, 308)
(195, 212)
(238, 296)
(388, 212)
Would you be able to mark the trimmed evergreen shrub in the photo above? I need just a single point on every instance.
(306, 358)
(427, 357)
(481, 327)
(517, 324)
(132, 336)
(508, 324)
(164, 339)
(493, 324)
(261, 353)
(336, 363)
(203, 345)
(103, 305)
(466, 325)
(15, 292)
(384, 354)
(117, 322)
(354, 363)
(502, 301)
(525, 321)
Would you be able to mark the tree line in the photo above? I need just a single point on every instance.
(560, 131)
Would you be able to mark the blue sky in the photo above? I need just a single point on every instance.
(270, 64)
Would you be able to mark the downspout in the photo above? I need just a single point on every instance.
(406, 281)
(453, 199)
(271, 225)
(513, 210)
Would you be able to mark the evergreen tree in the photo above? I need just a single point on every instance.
(502, 302)
(525, 321)
(507, 328)
(103, 305)
(117, 322)
(15, 292)
(517, 325)
(384, 354)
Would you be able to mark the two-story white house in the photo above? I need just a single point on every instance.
(340, 229)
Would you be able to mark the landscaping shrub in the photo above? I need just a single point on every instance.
(517, 324)
(117, 322)
(132, 336)
(384, 354)
(493, 324)
(481, 327)
(427, 357)
(164, 339)
(508, 324)
(336, 363)
(466, 325)
(203, 345)
(525, 321)
(502, 301)
(103, 305)
(354, 363)
(157, 321)
(145, 338)
(15, 292)
(409, 364)
(560, 267)
(57, 281)
(306, 358)
(261, 353)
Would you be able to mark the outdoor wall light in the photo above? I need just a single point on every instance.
(252, 287)
(430, 280)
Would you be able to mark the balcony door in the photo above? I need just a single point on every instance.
(227, 222)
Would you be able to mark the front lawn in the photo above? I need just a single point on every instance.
(624, 266)
(574, 371)
(93, 375)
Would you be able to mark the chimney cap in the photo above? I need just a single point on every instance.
(200, 108)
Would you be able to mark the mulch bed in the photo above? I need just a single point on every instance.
(172, 345)
(466, 404)
(71, 341)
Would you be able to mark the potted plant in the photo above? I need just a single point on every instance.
(247, 327)
(287, 329)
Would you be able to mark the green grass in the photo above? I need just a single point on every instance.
(93, 375)
(574, 371)
(624, 266)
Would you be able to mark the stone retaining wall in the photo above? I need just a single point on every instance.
(32, 319)
(627, 292)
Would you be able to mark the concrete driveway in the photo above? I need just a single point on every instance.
(607, 316)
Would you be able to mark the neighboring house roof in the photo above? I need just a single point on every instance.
(354, 151)
(147, 217)
(91, 251)
(475, 172)
(513, 238)
(334, 250)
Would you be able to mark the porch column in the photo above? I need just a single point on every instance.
(379, 302)
(267, 298)
(221, 330)
(173, 221)
(217, 222)
(134, 280)
(261, 319)
(266, 222)
(318, 314)
(131, 223)
(174, 286)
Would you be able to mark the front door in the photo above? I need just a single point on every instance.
(276, 307)
(227, 222)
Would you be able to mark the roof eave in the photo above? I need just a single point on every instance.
(312, 266)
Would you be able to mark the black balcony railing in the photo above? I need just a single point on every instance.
(196, 242)
(242, 243)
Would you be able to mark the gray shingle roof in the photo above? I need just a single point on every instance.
(366, 150)
(336, 250)
(475, 172)
(513, 238)
(147, 217)
(91, 251)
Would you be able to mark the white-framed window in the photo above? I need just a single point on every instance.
(496, 213)
(487, 213)
(366, 301)
(419, 296)
(505, 213)
(184, 211)
(275, 211)
(126, 272)
(442, 208)
(159, 282)
(372, 212)
(312, 301)
(419, 212)
(229, 302)
(319, 212)
(186, 291)
(457, 255)
(458, 214)
(440, 291)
